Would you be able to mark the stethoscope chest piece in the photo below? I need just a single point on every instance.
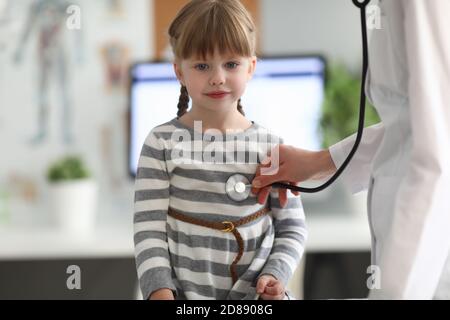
(238, 187)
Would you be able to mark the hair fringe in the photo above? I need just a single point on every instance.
(203, 26)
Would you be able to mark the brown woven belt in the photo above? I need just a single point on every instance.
(225, 226)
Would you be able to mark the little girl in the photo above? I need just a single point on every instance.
(193, 241)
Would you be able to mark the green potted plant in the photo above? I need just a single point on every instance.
(73, 194)
(340, 109)
(340, 114)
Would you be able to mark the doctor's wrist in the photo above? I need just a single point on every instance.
(325, 166)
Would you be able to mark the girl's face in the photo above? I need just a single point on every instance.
(216, 83)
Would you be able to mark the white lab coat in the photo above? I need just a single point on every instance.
(405, 160)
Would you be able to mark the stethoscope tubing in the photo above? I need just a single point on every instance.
(362, 108)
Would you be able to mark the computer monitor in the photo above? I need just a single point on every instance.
(284, 96)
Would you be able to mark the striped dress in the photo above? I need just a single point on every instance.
(186, 170)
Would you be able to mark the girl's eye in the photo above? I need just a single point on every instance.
(232, 65)
(201, 67)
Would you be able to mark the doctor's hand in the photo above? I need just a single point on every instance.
(293, 165)
(270, 288)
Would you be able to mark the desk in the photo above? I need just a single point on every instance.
(113, 238)
(326, 233)
(339, 233)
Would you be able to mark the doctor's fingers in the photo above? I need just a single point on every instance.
(257, 190)
(282, 194)
(265, 181)
(263, 195)
(266, 175)
(293, 183)
(282, 197)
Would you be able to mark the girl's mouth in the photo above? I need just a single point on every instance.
(217, 95)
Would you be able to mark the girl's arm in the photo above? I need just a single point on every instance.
(150, 216)
(290, 236)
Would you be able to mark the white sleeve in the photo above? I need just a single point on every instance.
(419, 240)
(357, 174)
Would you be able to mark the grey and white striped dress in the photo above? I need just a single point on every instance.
(193, 260)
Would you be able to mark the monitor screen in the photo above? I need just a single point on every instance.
(284, 96)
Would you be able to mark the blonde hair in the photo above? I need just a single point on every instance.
(203, 26)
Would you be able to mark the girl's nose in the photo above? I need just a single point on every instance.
(217, 79)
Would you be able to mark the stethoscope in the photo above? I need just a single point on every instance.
(238, 186)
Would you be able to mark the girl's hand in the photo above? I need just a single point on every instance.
(162, 294)
(291, 165)
(270, 288)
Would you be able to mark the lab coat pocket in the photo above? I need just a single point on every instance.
(382, 204)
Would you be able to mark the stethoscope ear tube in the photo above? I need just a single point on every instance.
(361, 4)
(362, 108)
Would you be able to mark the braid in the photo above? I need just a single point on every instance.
(183, 102)
(239, 107)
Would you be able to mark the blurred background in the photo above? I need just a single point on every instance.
(70, 82)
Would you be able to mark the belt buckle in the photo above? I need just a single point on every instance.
(229, 226)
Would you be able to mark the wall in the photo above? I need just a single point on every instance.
(99, 113)
(330, 27)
